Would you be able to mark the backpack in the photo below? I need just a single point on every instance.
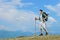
(45, 15)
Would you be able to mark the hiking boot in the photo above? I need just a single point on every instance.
(46, 33)
(41, 34)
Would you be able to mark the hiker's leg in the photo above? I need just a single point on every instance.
(45, 29)
(41, 29)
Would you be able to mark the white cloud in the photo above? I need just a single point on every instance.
(8, 10)
(55, 8)
(18, 2)
(50, 21)
(13, 3)
(2, 27)
(21, 19)
(50, 7)
(24, 20)
(8, 15)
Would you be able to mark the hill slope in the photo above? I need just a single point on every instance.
(35, 38)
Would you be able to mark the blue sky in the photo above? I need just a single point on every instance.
(17, 17)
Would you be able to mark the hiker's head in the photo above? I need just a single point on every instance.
(41, 11)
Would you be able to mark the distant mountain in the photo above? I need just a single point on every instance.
(11, 34)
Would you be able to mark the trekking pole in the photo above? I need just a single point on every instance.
(35, 27)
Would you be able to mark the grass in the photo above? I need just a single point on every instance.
(51, 37)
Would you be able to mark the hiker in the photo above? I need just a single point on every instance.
(43, 18)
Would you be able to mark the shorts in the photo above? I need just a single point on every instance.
(42, 25)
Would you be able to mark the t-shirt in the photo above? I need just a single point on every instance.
(41, 20)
